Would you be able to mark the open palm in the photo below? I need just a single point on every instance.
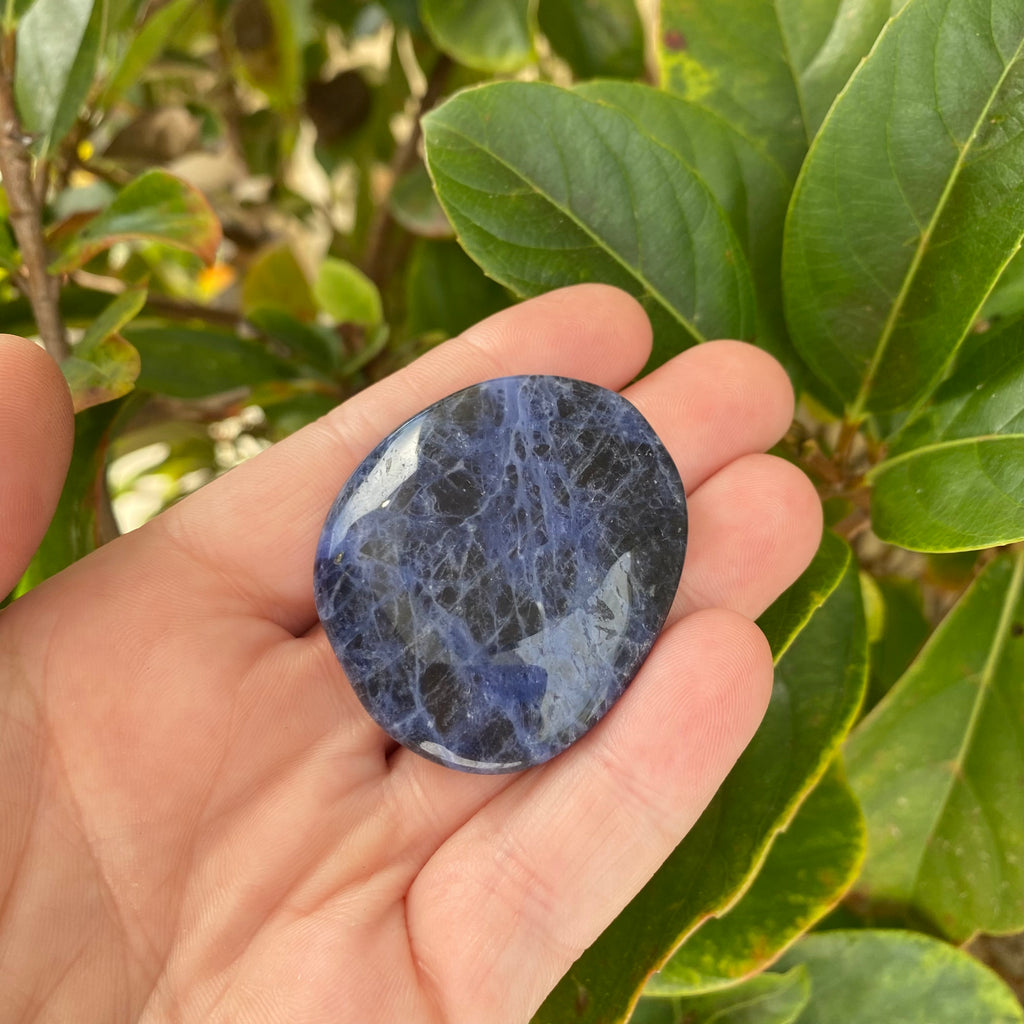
(201, 823)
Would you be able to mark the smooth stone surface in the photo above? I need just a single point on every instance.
(496, 570)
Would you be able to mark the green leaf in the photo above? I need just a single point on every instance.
(939, 768)
(155, 207)
(546, 188)
(311, 345)
(10, 256)
(819, 681)
(1006, 301)
(765, 999)
(751, 188)
(103, 366)
(446, 291)
(146, 45)
(488, 35)
(771, 67)
(790, 613)
(870, 977)
(190, 362)
(957, 496)
(275, 280)
(345, 293)
(74, 530)
(58, 46)
(910, 203)
(808, 868)
(594, 39)
(953, 480)
(414, 205)
(905, 628)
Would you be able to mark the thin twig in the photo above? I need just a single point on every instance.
(375, 263)
(26, 211)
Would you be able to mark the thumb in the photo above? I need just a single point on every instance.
(36, 435)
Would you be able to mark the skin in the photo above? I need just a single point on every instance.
(199, 821)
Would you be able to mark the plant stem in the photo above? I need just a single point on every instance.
(26, 211)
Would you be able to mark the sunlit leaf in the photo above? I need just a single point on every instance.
(939, 764)
(103, 366)
(155, 207)
(765, 999)
(345, 293)
(276, 280)
(910, 202)
(808, 868)
(871, 977)
(770, 67)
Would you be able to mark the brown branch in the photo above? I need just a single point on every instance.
(26, 211)
(376, 262)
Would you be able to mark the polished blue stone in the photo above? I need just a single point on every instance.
(496, 570)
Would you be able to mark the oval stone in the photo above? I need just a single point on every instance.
(496, 570)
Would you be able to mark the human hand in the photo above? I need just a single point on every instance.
(200, 821)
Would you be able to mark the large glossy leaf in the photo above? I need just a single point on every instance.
(58, 46)
(910, 202)
(77, 526)
(765, 999)
(547, 188)
(190, 362)
(749, 185)
(488, 35)
(808, 868)
(771, 67)
(102, 364)
(155, 207)
(954, 479)
(893, 977)
(604, 38)
(939, 768)
(819, 681)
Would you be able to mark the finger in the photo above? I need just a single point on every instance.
(753, 528)
(259, 525)
(508, 903)
(36, 435)
(714, 403)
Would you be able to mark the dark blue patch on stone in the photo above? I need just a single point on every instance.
(496, 570)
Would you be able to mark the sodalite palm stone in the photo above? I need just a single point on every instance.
(496, 570)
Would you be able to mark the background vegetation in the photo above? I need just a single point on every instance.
(225, 216)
